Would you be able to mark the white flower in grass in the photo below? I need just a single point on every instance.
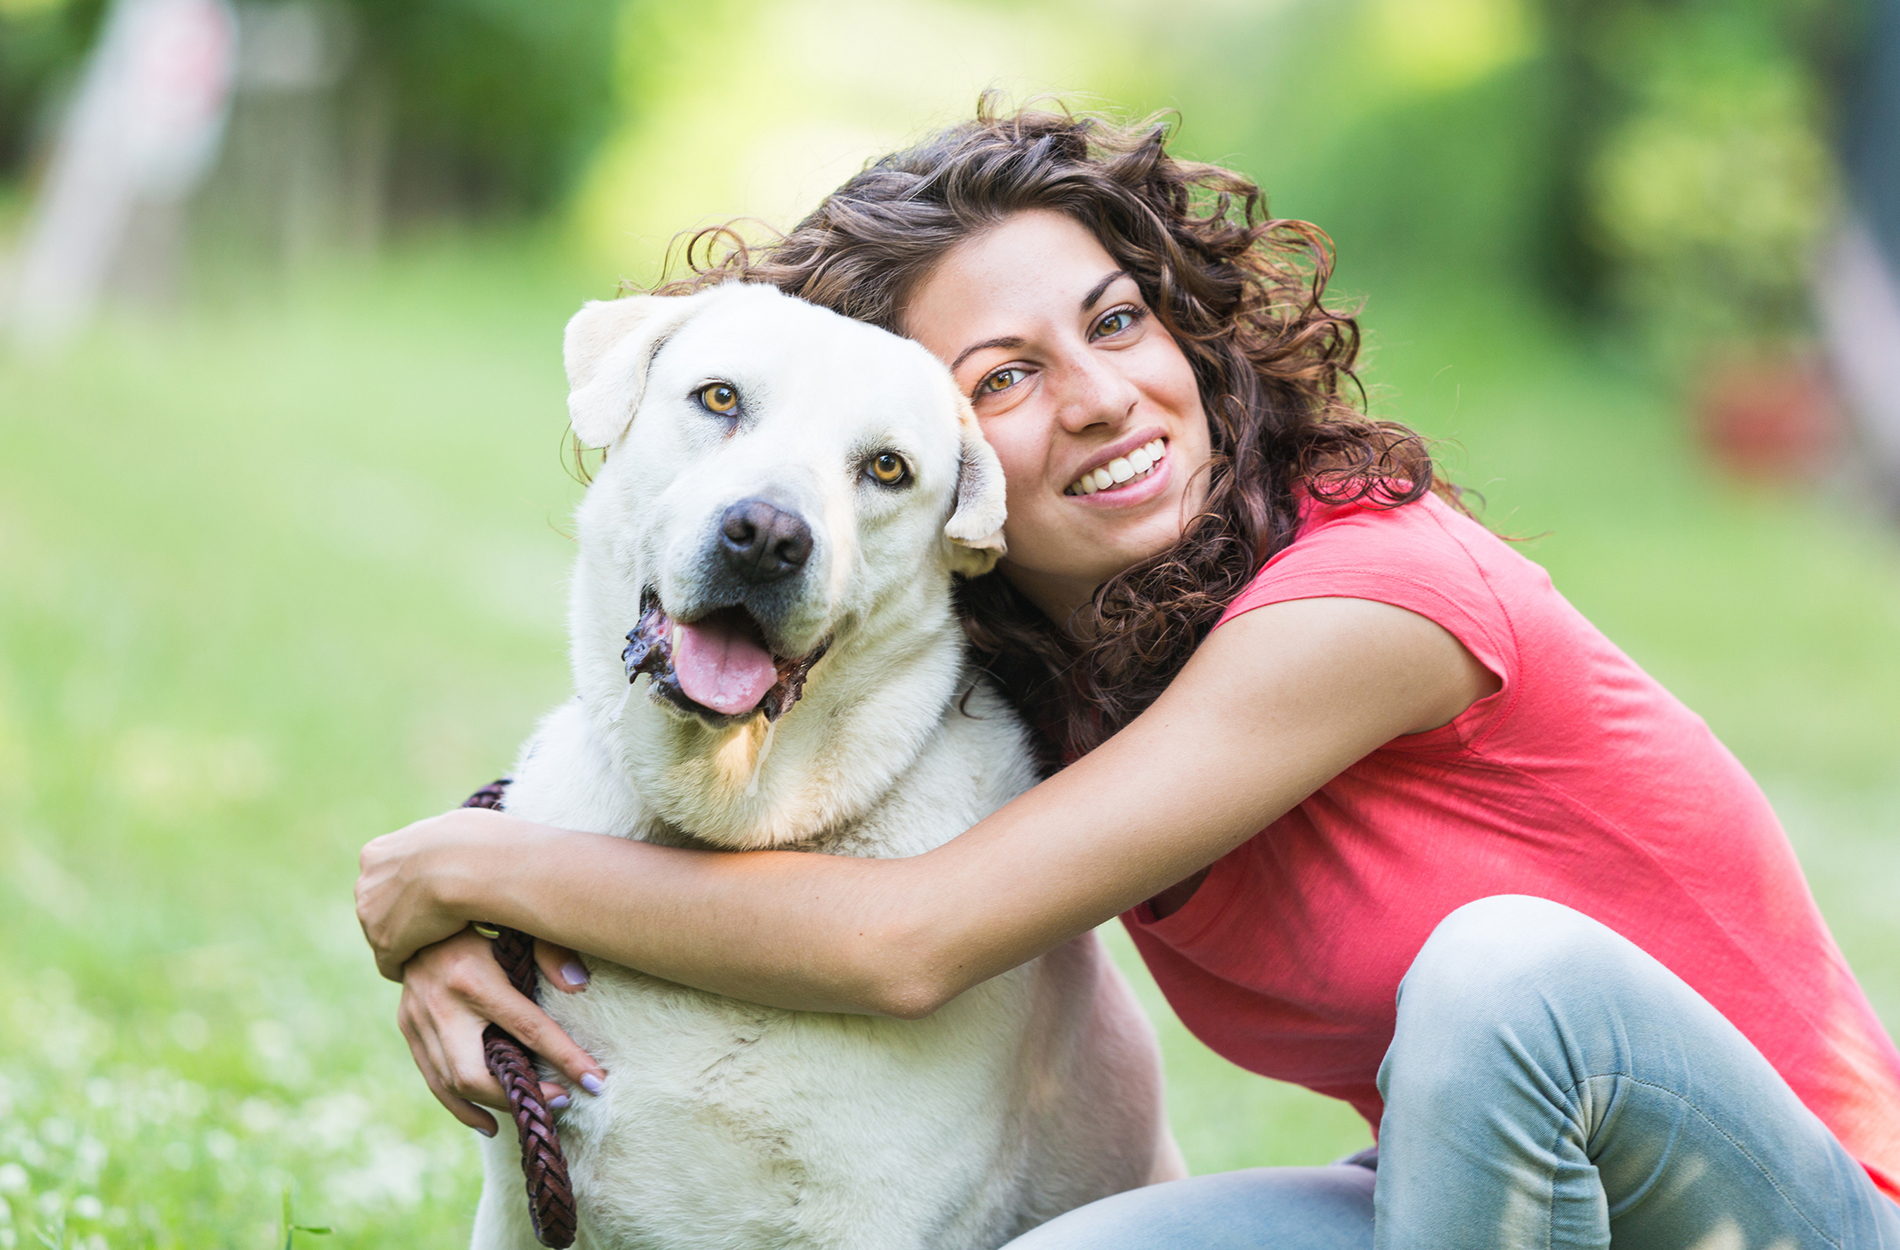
(88, 1207)
(89, 1159)
(392, 1176)
(13, 1179)
(260, 1116)
(334, 1121)
(220, 1145)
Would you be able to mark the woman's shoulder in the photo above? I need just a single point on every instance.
(1431, 559)
(1424, 555)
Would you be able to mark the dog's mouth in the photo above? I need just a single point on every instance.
(719, 667)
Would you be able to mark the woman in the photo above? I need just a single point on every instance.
(1385, 816)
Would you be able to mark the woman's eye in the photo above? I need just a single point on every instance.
(888, 468)
(1115, 322)
(1001, 380)
(719, 397)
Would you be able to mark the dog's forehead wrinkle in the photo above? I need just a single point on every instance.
(792, 339)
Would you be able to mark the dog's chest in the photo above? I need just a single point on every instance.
(724, 1123)
(728, 1124)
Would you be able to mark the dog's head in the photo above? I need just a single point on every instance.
(778, 477)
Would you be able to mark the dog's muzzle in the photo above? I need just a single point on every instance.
(650, 650)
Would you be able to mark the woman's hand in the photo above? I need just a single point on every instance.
(454, 989)
(409, 881)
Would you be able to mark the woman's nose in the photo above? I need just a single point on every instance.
(1091, 391)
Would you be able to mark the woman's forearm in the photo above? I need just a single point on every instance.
(786, 929)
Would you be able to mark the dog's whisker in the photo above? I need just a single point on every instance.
(620, 708)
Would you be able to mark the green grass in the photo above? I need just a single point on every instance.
(287, 573)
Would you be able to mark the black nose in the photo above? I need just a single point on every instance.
(761, 543)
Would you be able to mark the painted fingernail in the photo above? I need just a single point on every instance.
(558, 1102)
(573, 973)
(592, 1084)
(485, 1132)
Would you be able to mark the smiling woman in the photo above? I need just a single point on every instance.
(1074, 384)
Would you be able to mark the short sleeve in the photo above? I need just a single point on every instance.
(1418, 556)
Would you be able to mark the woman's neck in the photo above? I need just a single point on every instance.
(1061, 599)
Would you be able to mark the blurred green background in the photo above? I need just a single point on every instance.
(283, 538)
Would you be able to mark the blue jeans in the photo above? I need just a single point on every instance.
(1548, 1085)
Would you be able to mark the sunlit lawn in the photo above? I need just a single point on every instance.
(288, 573)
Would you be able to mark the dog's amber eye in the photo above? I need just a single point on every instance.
(720, 397)
(889, 468)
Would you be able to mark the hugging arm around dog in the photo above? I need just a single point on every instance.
(1385, 816)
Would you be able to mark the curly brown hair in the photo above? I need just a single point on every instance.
(1242, 293)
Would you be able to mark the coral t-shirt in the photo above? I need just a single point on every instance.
(1581, 781)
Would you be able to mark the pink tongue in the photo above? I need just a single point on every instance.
(720, 665)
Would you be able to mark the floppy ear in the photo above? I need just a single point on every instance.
(975, 529)
(607, 348)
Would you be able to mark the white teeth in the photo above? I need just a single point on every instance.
(677, 631)
(1121, 469)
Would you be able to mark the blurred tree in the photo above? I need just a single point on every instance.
(495, 104)
(490, 106)
(1693, 174)
(41, 43)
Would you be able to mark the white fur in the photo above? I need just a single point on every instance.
(726, 1124)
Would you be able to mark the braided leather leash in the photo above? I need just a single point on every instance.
(550, 1195)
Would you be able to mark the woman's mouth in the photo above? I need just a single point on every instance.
(1132, 467)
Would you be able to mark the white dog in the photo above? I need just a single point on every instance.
(771, 524)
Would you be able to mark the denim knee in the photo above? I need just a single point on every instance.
(1507, 944)
(1505, 973)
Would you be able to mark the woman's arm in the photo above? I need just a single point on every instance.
(1273, 705)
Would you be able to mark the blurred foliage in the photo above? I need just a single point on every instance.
(1699, 157)
(1660, 165)
(1664, 163)
(732, 108)
(491, 105)
(497, 103)
(41, 45)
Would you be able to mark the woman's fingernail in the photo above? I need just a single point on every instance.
(592, 1084)
(573, 973)
(558, 1102)
(485, 1132)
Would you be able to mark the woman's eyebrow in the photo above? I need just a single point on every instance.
(1095, 292)
(1088, 302)
(974, 348)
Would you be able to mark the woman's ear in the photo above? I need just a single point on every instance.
(607, 348)
(975, 527)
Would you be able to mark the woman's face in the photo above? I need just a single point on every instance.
(1089, 403)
